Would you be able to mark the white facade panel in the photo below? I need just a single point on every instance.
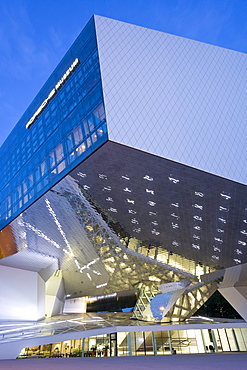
(174, 97)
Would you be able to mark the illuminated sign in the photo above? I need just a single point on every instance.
(53, 92)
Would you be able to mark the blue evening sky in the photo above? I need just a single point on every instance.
(35, 34)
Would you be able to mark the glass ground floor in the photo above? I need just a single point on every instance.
(145, 343)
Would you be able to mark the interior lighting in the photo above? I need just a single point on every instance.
(101, 285)
(175, 181)
(220, 231)
(152, 213)
(109, 199)
(241, 243)
(216, 249)
(125, 177)
(197, 227)
(239, 251)
(174, 215)
(130, 201)
(132, 211)
(107, 188)
(243, 232)
(148, 178)
(150, 191)
(134, 221)
(127, 189)
(162, 308)
(196, 246)
(154, 278)
(196, 237)
(81, 174)
(237, 260)
(222, 220)
(111, 209)
(199, 194)
(175, 204)
(175, 226)
(197, 206)
(218, 240)
(225, 196)
(102, 176)
(215, 257)
(198, 218)
(155, 232)
(151, 203)
(137, 230)
(223, 209)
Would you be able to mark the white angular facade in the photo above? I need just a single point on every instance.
(174, 97)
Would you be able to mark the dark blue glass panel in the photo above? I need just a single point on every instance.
(71, 126)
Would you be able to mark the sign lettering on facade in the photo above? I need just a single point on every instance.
(53, 92)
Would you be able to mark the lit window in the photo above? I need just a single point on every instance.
(215, 257)
(81, 148)
(199, 194)
(134, 221)
(223, 209)
(102, 176)
(137, 230)
(61, 167)
(198, 206)
(222, 220)
(127, 189)
(172, 179)
(59, 152)
(155, 232)
(227, 197)
(198, 218)
(107, 188)
(81, 174)
(148, 178)
(196, 246)
(241, 243)
(77, 132)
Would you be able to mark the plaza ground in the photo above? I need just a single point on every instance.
(215, 361)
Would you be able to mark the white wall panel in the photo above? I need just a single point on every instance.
(174, 97)
(22, 294)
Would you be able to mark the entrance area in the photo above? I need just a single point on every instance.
(145, 343)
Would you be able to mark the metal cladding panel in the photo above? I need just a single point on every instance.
(174, 97)
(163, 203)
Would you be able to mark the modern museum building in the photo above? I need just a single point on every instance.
(123, 185)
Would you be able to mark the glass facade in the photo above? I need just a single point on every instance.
(67, 124)
(146, 343)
